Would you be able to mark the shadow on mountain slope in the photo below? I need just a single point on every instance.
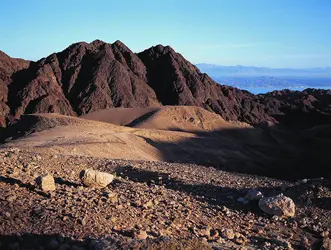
(282, 154)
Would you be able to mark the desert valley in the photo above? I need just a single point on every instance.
(184, 162)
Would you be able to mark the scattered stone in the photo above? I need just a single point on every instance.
(227, 234)
(325, 234)
(278, 205)
(148, 204)
(205, 232)
(253, 195)
(46, 182)
(303, 181)
(225, 210)
(239, 238)
(82, 221)
(220, 240)
(326, 244)
(11, 198)
(304, 243)
(141, 235)
(96, 179)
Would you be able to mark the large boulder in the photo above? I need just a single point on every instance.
(279, 205)
(95, 179)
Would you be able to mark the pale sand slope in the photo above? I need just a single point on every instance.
(178, 118)
(75, 136)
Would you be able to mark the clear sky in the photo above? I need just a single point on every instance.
(271, 33)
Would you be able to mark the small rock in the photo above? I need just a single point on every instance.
(253, 195)
(148, 204)
(205, 232)
(239, 238)
(11, 198)
(278, 205)
(109, 194)
(325, 234)
(220, 240)
(303, 181)
(275, 218)
(141, 235)
(96, 179)
(326, 244)
(304, 243)
(82, 221)
(46, 182)
(227, 234)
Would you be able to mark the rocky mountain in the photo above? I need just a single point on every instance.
(87, 77)
(8, 66)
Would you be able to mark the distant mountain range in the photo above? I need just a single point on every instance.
(239, 70)
(262, 80)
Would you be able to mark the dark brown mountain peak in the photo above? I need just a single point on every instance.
(158, 50)
(97, 43)
(119, 44)
(9, 65)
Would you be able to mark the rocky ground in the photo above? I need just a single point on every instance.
(151, 205)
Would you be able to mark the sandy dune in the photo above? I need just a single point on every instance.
(210, 139)
(174, 118)
(174, 134)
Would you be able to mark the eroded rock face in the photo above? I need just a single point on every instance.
(96, 179)
(279, 205)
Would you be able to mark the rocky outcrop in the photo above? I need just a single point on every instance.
(87, 77)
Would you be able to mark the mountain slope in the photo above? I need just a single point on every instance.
(87, 77)
(82, 78)
(8, 66)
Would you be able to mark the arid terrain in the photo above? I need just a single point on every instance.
(169, 204)
(193, 163)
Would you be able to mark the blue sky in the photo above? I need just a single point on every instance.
(271, 33)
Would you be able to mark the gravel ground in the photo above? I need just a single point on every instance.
(150, 205)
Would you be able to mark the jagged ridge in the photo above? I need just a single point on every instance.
(87, 77)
